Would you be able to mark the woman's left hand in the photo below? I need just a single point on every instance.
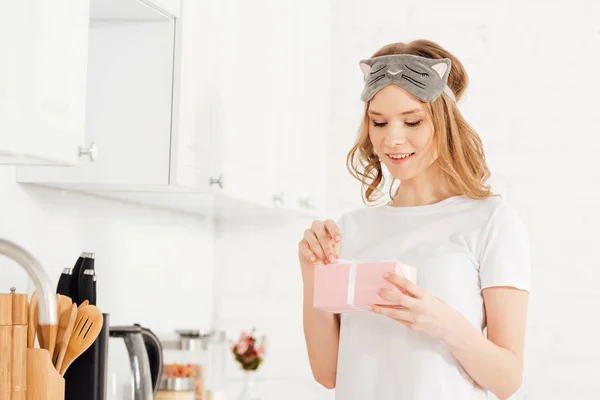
(419, 310)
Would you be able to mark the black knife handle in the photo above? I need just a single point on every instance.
(64, 282)
(93, 300)
(86, 287)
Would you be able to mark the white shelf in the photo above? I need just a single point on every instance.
(134, 10)
(210, 203)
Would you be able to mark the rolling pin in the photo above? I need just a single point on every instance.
(5, 344)
(20, 311)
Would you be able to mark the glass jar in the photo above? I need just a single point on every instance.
(185, 360)
(219, 353)
(176, 389)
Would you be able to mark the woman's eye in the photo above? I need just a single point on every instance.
(379, 124)
(413, 123)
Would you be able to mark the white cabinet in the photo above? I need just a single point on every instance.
(207, 107)
(303, 75)
(43, 53)
(274, 80)
(138, 107)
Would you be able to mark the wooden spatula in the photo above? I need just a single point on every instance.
(64, 335)
(64, 305)
(33, 321)
(47, 335)
(87, 327)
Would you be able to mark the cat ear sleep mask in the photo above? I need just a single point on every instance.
(424, 78)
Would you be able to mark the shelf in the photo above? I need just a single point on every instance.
(134, 10)
(175, 199)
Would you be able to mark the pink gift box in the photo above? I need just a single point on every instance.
(346, 286)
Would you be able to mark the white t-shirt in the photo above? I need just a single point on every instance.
(458, 246)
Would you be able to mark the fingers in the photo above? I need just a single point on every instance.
(305, 252)
(406, 285)
(313, 244)
(399, 314)
(325, 241)
(322, 241)
(333, 230)
(335, 234)
(398, 298)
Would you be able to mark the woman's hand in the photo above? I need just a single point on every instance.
(320, 244)
(417, 309)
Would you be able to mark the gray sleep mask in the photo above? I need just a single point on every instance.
(424, 78)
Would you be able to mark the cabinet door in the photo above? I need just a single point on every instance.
(43, 53)
(128, 109)
(305, 54)
(196, 105)
(249, 95)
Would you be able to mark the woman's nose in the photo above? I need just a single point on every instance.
(395, 136)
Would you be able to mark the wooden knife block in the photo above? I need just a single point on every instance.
(43, 381)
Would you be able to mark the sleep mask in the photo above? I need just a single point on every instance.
(424, 78)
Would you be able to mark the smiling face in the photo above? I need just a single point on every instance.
(401, 132)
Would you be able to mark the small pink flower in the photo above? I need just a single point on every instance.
(261, 350)
(241, 347)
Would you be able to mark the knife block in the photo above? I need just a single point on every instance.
(86, 376)
(43, 381)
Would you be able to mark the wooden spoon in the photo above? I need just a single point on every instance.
(64, 305)
(64, 336)
(87, 327)
(33, 321)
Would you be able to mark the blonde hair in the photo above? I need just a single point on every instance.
(460, 151)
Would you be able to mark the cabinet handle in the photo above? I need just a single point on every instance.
(278, 199)
(216, 181)
(91, 151)
(306, 202)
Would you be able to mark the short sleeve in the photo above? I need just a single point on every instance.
(505, 257)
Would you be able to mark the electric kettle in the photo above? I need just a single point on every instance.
(136, 372)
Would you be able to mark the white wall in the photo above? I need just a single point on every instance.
(533, 100)
(154, 267)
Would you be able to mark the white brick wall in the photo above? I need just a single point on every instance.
(533, 100)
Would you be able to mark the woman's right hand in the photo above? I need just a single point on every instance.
(321, 244)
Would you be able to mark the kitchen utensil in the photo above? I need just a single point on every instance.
(66, 323)
(144, 356)
(47, 316)
(5, 345)
(43, 381)
(64, 304)
(93, 301)
(32, 321)
(36, 323)
(20, 309)
(64, 282)
(74, 281)
(87, 327)
(86, 377)
(86, 286)
(47, 333)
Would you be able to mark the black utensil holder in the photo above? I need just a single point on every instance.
(86, 378)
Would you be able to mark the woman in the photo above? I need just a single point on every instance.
(470, 248)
